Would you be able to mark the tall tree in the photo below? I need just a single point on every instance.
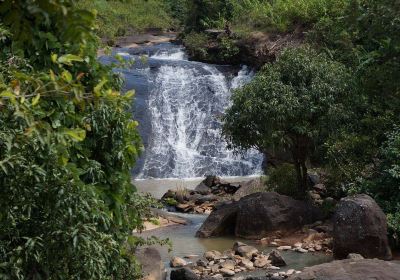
(293, 104)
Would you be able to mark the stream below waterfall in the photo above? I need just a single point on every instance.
(178, 105)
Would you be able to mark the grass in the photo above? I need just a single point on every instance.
(119, 18)
(283, 15)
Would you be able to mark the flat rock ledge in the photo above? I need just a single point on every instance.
(351, 269)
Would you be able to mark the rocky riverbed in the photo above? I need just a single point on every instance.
(281, 230)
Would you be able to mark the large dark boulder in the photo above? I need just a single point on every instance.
(220, 222)
(360, 226)
(183, 274)
(351, 270)
(258, 214)
(266, 212)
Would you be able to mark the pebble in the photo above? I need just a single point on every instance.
(227, 272)
(301, 250)
(290, 272)
(178, 262)
(284, 248)
(274, 267)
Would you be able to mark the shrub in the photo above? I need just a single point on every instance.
(196, 44)
(282, 180)
(67, 142)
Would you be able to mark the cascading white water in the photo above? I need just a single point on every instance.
(184, 103)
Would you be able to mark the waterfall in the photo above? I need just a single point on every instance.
(179, 106)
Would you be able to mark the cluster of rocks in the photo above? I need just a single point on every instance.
(316, 237)
(204, 198)
(241, 258)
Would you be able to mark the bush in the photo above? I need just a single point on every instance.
(283, 180)
(196, 44)
(67, 142)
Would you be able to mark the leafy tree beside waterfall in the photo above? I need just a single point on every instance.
(67, 145)
(291, 105)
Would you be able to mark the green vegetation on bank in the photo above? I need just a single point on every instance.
(120, 18)
(359, 149)
(67, 145)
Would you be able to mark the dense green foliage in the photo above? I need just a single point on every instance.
(202, 47)
(67, 142)
(360, 154)
(282, 179)
(119, 18)
(293, 105)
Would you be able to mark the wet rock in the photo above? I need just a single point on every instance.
(229, 264)
(290, 272)
(360, 226)
(177, 262)
(211, 180)
(218, 276)
(227, 272)
(351, 270)
(247, 264)
(262, 262)
(284, 248)
(220, 222)
(301, 250)
(183, 274)
(206, 198)
(212, 255)
(202, 262)
(246, 251)
(184, 207)
(215, 268)
(276, 258)
(203, 189)
(355, 257)
(263, 213)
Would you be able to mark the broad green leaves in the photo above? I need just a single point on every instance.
(67, 145)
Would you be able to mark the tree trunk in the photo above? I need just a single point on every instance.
(299, 154)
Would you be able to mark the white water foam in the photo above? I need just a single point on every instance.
(177, 54)
(186, 104)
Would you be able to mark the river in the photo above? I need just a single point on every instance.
(178, 105)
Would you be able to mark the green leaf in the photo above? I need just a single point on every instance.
(69, 58)
(35, 100)
(76, 134)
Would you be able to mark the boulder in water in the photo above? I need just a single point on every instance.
(359, 226)
(183, 274)
(258, 214)
(263, 213)
(276, 258)
(178, 262)
(220, 222)
(202, 188)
